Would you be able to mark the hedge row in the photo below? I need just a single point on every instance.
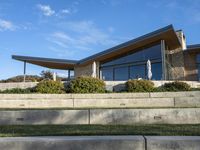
(94, 85)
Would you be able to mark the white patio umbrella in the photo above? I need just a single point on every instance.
(94, 70)
(149, 73)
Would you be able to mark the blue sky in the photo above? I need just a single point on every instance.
(74, 29)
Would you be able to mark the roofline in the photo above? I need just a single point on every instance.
(102, 53)
(194, 46)
(29, 58)
(134, 41)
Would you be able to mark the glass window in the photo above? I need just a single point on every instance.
(107, 74)
(156, 71)
(134, 65)
(121, 73)
(142, 55)
(198, 58)
(198, 65)
(137, 72)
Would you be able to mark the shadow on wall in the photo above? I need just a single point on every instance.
(44, 117)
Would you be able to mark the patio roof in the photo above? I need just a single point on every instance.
(62, 64)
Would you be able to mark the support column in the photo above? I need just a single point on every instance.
(24, 71)
(68, 74)
(163, 60)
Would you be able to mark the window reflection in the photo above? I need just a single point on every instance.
(133, 66)
(137, 72)
(107, 74)
(121, 73)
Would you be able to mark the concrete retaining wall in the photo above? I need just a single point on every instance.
(30, 117)
(21, 85)
(112, 100)
(73, 143)
(120, 85)
(102, 116)
(101, 143)
(173, 143)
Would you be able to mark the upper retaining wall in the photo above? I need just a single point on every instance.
(109, 100)
(21, 85)
(110, 85)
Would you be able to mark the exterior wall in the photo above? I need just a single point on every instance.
(85, 70)
(175, 64)
(191, 72)
(175, 60)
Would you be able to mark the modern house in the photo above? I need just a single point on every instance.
(171, 59)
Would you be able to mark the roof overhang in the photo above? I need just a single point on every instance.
(62, 64)
(193, 48)
(167, 33)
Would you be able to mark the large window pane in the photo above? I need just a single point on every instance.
(142, 55)
(121, 73)
(107, 74)
(198, 72)
(137, 72)
(156, 71)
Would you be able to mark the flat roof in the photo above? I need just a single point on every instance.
(167, 33)
(62, 64)
(193, 48)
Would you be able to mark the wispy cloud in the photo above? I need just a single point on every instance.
(6, 25)
(46, 10)
(82, 36)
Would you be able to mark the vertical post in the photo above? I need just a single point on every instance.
(163, 60)
(24, 71)
(68, 74)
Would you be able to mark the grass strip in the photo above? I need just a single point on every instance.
(81, 130)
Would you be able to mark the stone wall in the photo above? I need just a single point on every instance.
(85, 70)
(176, 65)
(191, 72)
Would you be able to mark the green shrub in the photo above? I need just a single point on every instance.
(139, 86)
(50, 86)
(87, 85)
(176, 86)
(17, 91)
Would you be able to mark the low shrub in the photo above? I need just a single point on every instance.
(17, 91)
(139, 86)
(50, 87)
(176, 86)
(87, 85)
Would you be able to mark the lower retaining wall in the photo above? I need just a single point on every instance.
(173, 143)
(73, 143)
(101, 116)
(31, 117)
(101, 143)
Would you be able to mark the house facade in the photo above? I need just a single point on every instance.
(171, 59)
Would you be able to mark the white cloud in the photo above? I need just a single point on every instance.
(81, 37)
(65, 11)
(6, 25)
(88, 33)
(46, 10)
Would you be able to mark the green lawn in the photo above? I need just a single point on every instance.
(64, 130)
